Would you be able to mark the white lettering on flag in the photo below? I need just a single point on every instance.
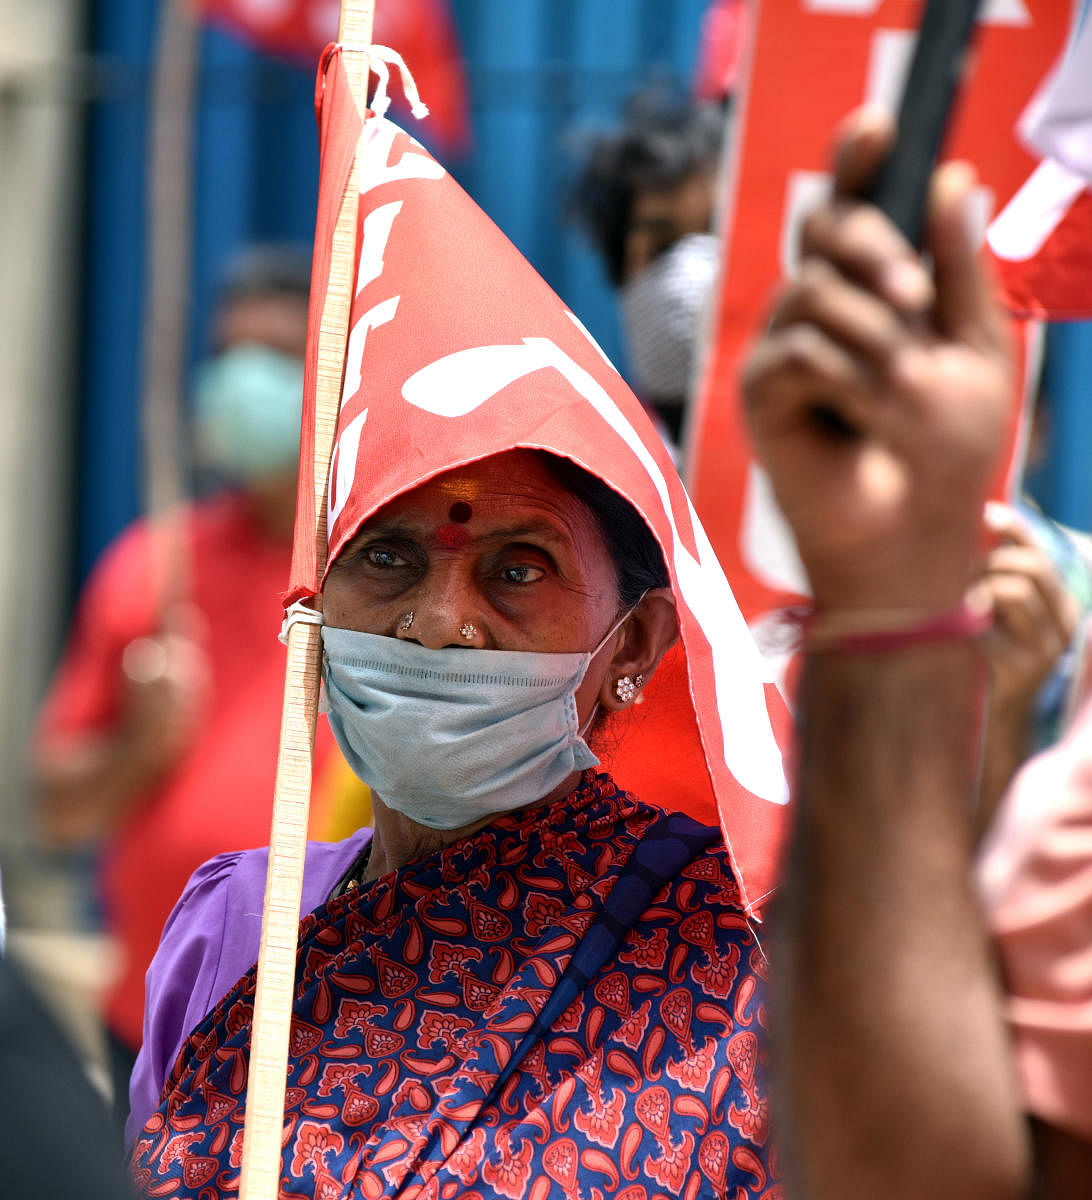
(459, 383)
(766, 541)
(1022, 227)
(888, 65)
(378, 314)
(375, 233)
(859, 8)
(348, 446)
(806, 191)
(1005, 12)
(376, 141)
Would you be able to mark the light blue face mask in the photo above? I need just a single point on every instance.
(247, 406)
(662, 308)
(450, 736)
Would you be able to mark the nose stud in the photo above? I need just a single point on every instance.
(468, 631)
(407, 620)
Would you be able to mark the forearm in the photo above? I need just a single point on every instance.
(1006, 746)
(893, 1059)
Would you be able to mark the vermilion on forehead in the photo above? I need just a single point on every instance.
(451, 537)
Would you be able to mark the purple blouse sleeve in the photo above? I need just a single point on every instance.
(209, 941)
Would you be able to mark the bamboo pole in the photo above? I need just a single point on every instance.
(261, 1163)
(169, 226)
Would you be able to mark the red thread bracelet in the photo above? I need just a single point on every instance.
(880, 632)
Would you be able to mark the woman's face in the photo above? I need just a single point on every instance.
(498, 547)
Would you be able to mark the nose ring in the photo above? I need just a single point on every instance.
(468, 631)
(407, 620)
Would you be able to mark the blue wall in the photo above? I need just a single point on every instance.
(538, 69)
(1063, 485)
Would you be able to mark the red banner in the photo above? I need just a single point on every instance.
(811, 63)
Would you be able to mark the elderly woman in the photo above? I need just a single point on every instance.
(524, 981)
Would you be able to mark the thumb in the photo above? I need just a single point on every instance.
(966, 307)
(862, 140)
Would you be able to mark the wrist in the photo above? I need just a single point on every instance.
(934, 578)
(884, 717)
(881, 631)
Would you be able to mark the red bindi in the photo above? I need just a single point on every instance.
(460, 511)
(451, 537)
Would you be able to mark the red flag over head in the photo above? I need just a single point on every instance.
(422, 31)
(458, 350)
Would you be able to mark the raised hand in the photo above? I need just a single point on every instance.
(877, 395)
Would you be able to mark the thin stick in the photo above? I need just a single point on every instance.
(261, 1165)
(170, 180)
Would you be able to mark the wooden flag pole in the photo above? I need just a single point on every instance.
(170, 184)
(261, 1164)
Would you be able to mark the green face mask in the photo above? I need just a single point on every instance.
(247, 406)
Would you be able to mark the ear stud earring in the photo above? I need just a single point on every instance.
(625, 689)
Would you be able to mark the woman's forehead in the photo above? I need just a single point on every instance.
(513, 480)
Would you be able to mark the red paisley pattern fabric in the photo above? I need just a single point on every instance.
(566, 1004)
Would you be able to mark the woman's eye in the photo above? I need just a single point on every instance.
(522, 574)
(384, 556)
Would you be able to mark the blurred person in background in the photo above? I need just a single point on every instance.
(644, 195)
(43, 1090)
(157, 739)
(1036, 579)
(906, 1067)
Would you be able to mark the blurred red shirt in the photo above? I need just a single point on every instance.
(219, 795)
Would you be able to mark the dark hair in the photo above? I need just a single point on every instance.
(266, 269)
(633, 549)
(666, 137)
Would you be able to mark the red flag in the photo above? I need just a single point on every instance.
(720, 52)
(1042, 239)
(458, 350)
(809, 65)
(422, 31)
